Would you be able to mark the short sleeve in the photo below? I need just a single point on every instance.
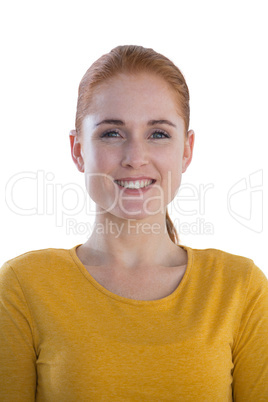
(17, 353)
(250, 352)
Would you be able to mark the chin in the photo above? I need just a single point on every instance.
(137, 213)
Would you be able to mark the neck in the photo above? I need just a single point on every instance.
(129, 242)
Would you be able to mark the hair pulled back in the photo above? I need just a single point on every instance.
(130, 59)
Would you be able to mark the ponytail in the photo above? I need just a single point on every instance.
(171, 229)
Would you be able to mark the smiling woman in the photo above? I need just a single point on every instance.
(131, 146)
(131, 314)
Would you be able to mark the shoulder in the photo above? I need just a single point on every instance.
(231, 269)
(216, 257)
(37, 261)
(211, 256)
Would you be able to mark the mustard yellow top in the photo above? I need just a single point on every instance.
(64, 337)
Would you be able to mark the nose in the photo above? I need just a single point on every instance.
(135, 154)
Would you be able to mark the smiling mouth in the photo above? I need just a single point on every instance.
(135, 184)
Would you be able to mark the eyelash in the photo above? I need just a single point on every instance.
(109, 132)
(105, 134)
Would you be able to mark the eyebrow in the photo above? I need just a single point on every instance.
(122, 123)
(153, 122)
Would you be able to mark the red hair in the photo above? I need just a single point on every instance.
(131, 59)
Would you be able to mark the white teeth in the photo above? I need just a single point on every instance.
(134, 184)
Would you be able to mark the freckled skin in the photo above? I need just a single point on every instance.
(135, 151)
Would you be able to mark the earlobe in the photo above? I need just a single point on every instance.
(76, 151)
(188, 150)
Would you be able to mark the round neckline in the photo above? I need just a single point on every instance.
(126, 300)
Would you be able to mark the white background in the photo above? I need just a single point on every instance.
(220, 46)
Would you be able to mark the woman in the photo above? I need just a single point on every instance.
(131, 315)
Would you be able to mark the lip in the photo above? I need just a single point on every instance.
(135, 191)
(135, 178)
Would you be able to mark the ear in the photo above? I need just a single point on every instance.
(188, 150)
(76, 151)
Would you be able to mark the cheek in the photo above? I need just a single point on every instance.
(99, 160)
(171, 171)
(98, 176)
(101, 189)
(170, 160)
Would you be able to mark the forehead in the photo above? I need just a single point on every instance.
(134, 93)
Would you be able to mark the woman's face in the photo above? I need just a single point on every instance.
(133, 148)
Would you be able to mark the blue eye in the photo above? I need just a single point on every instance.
(114, 134)
(162, 133)
(110, 134)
